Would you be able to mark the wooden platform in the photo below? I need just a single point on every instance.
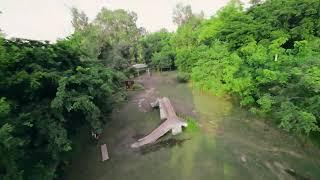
(104, 152)
(173, 123)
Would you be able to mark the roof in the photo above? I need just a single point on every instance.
(139, 66)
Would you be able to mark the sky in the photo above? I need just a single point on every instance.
(51, 19)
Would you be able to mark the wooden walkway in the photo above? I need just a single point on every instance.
(104, 152)
(173, 123)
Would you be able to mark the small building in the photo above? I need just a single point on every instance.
(141, 67)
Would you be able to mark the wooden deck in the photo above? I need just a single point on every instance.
(173, 123)
(104, 152)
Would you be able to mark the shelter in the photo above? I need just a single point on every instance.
(141, 67)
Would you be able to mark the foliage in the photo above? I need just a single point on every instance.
(192, 125)
(166, 50)
(183, 13)
(183, 77)
(112, 37)
(164, 58)
(80, 21)
(268, 56)
(156, 49)
(46, 93)
(154, 43)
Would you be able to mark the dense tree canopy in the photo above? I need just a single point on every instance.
(156, 49)
(267, 55)
(47, 92)
(112, 37)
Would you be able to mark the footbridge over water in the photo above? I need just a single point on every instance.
(172, 123)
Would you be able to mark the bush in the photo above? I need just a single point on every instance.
(130, 72)
(47, 94)
(192, 124)
(183, 77)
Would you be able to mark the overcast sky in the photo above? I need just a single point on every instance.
(51, 19)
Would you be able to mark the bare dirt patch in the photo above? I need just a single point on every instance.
(153, 87)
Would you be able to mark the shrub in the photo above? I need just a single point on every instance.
(192, 124)
(130, 72)
(183, 77)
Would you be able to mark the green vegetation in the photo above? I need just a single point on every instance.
(48, 92)
(268, 56)
(192, 124)
(183, 77)
(156, 50)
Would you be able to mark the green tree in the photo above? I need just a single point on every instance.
(47, 93)
(80, 20)
(268, 56)
(154, 43)
(112, 37)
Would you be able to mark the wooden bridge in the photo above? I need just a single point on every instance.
(173, 123)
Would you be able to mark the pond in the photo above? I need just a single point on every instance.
(228, 143)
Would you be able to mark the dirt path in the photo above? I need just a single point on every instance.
(152, 85)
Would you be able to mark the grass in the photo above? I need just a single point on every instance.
(192, 125)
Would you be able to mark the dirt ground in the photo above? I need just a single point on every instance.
(151, 92)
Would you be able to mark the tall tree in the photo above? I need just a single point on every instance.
(58, 94)
(79, 19)
(181, 14)
(255, 2)
(268, 56)
(112, 38)
(154, 43)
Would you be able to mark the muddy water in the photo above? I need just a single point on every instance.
(229, 143)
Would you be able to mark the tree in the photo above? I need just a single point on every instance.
(79, 19)
(154, 43)
(112, 38)
(255, 2)
(164, 58)
(117, 25)
(1, 33)
(58, 94)
(9, 145)
(181, 14)
(268, 56)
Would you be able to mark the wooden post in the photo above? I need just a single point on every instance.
(148, 70)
